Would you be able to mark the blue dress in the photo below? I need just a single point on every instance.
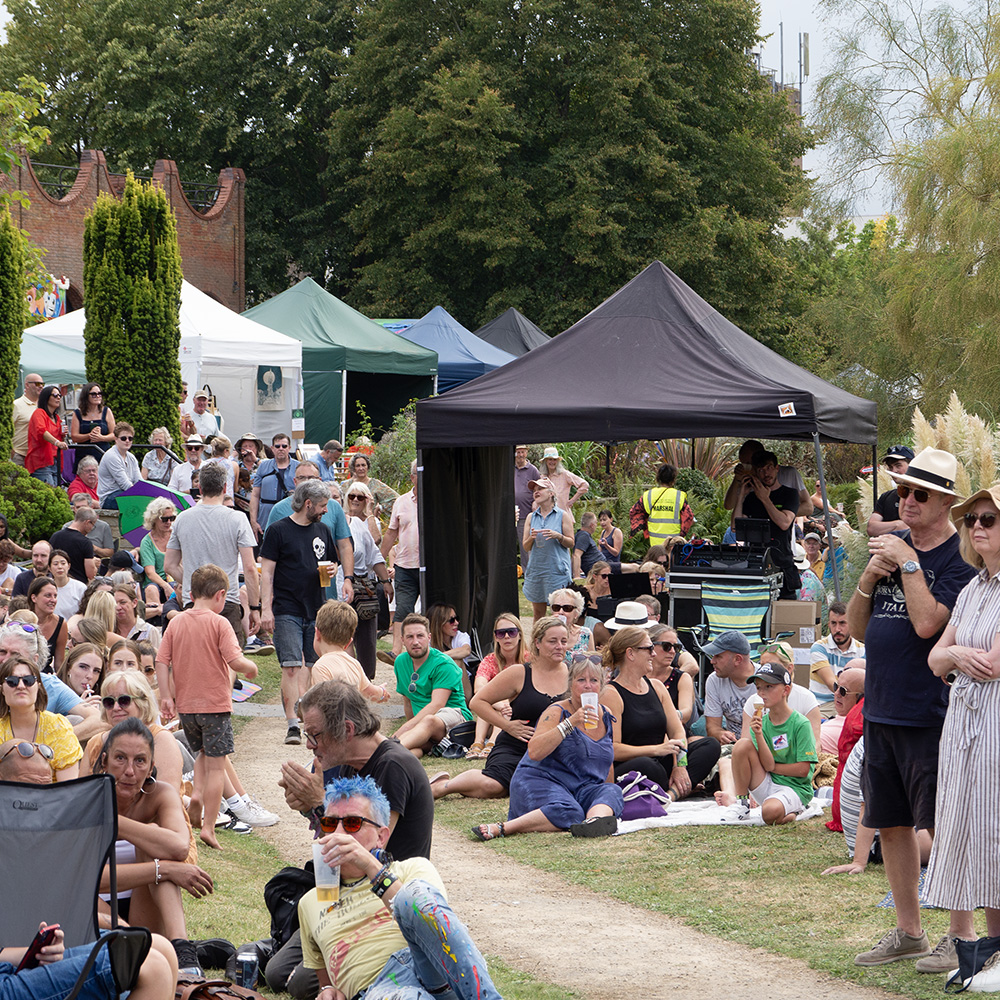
(549, 566)
(568, 783)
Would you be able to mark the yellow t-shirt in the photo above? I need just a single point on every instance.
(339, 667)
(54, 731)
(355, 939)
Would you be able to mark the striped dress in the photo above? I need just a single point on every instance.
(964, 869)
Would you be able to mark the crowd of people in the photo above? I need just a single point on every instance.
(122, 661)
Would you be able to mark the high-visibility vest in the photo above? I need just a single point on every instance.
(663, 505)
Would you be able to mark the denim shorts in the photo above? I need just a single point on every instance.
(46, 474)
(293, 640)
(56, 980)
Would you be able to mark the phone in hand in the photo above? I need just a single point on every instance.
(42, 938)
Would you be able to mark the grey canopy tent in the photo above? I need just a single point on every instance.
(680, 369)
(512, 332)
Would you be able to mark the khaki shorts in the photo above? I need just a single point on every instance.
(451, 717)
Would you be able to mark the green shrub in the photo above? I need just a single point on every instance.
(33, 509)
(848, 494)
(397, 449)
(696, 484)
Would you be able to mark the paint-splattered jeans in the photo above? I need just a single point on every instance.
(441, 963)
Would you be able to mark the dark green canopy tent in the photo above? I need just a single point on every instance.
(346, 359)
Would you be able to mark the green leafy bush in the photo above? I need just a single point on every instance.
(397, 449)
(33, 509)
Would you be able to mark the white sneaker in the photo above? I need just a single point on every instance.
(736, 813)
(253, 812)
(987, 979)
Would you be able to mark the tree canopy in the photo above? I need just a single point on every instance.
(475, 155)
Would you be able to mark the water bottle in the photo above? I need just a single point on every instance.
(246, 967)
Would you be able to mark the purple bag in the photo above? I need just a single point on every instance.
(644, 798)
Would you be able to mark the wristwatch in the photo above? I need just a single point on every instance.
(910, 566)
(254, 607)
(351, 578)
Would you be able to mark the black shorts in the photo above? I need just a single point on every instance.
(211, 732)
(899, 781)
(502, 763)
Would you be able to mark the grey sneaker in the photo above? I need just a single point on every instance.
(894, 946)
(294, 736)
(942, 959)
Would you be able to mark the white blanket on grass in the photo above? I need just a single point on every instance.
(705, 812)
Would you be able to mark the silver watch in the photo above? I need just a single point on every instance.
(910, 566)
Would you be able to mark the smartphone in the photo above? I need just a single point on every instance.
(42, 938)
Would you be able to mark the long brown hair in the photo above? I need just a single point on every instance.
(508, 616)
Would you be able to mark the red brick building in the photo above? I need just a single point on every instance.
(211, 236)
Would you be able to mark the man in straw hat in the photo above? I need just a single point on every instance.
(900, 607)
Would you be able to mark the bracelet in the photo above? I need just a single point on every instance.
(156, 861)
(323, 988)
(256, 607)
(382, 881)
(351, 578)
(565, 728)
(867, 597)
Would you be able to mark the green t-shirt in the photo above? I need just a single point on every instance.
(438, 671)
(791, 743)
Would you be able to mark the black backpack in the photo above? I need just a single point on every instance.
(281, 896)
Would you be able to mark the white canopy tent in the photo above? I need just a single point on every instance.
(226, 352)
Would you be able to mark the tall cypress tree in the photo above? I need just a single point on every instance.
(13, 320)
(132, 284)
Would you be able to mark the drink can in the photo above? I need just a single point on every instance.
(246, 967)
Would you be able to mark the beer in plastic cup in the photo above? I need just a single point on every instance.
(327, 877)
(589, 700)
(324, 573)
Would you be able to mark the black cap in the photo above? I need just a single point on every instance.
(772, 673)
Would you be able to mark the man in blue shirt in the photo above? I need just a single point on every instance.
(327, 459)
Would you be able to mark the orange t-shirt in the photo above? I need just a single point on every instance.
(198, 645)
(339, 667)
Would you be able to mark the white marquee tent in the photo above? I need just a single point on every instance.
(227, 353)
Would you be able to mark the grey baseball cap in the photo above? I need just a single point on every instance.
(728, 642)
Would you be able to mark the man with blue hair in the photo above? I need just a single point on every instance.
(392, 933)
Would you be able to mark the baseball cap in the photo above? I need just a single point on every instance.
(728, 642)
(898, 451)
(772, 673)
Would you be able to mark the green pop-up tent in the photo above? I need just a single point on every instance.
(346, 359)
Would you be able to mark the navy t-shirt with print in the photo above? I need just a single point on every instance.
(297, 551)
(900, 689)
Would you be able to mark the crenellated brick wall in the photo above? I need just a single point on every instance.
(211, 242)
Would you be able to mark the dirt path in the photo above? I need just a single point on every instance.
(558, 932)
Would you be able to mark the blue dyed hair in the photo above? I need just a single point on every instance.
(362, 788)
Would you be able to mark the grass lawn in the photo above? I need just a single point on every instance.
(236, 910)
(760, 886)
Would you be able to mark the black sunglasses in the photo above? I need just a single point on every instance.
(126, 437)
(505, 633)
(29, 681)
(169, 518)
(351, 824)
(124, 700)
(986, 520)
(564, 607)
(668, 647)
(27, 750)
(921, 496)
(413, 681)
(453, 620)
(843, 692)
(644, 649)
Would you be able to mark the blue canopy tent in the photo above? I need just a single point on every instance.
(462, 356)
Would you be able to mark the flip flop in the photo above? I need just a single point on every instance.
(440, 776)
(596, 826)
(479, 835)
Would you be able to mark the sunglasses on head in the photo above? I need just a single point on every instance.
(29, 680)
(921, 496)
(351, 824)
(986, 520)
(24, 626)
(594, 658)
(505, 633)
(569, 608)
(28, 750)
(123, 700)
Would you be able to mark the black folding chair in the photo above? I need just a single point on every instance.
(56, 841)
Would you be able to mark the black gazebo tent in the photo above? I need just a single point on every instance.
(678, 368)
(513, 332)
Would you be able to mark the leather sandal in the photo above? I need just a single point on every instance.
(479, 835)
(475, 751)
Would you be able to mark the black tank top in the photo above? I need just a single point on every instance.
(671, 684)
(643, 719)
(528, 706)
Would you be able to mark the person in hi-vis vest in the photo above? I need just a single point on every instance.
(667, 511)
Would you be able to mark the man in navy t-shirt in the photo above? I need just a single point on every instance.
(900, 607)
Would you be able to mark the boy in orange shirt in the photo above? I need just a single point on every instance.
(193, 667)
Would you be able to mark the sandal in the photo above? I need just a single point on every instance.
(486, 750)
(595, 826)
(478, 831)
(475, 751)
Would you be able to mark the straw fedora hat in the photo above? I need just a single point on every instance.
(932, 469)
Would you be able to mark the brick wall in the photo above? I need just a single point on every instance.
(211, 243)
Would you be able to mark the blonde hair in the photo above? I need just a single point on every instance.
(543, 625)
(158, 506)
(102, 607)
(573, 597)
(508, 616)
(139, 688)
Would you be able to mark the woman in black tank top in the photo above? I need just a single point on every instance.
(530, 691)
(648, 733)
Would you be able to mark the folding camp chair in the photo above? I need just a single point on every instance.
(56, 841)
(743, 609)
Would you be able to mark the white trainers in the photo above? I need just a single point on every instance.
(253, 812)
(987, 979)
(736, 813)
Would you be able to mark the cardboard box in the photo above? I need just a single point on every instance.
(801, 618)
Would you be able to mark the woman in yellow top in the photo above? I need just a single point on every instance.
(23, 717)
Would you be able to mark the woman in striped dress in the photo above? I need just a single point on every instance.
(964, 871)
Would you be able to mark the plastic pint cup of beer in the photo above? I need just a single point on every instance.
(325, 572)
(589, 701)
(327, 877)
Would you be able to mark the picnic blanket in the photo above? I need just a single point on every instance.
(706, 812)
(247, 691)
(890, 904)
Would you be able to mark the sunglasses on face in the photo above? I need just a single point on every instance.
(986, 520)
(351, 824)
(28, 750)
(123, 700)
(168, 518)
(96, 393)
(603, 576)
(281, 446)
(192, 447)
(921, 496)
(126, 437)
(28, 681)
(842, 691)
(644, 649)
(453, 620)
(568, 608)
(505, 633)
(668, 647)
(356, 496)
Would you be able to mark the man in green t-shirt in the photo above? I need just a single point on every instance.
(430, 683)
(776, 763)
